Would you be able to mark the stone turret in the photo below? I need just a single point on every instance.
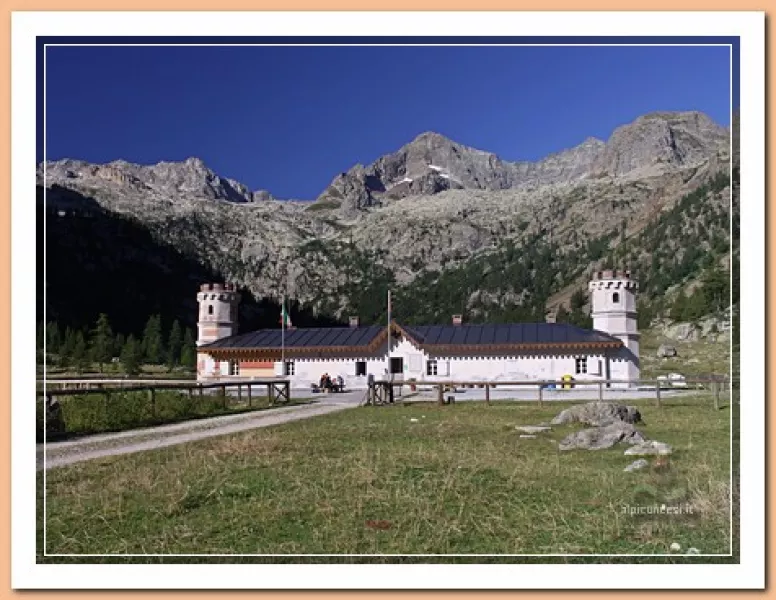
(613, 301)
(217, 312)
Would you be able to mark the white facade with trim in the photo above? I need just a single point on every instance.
(612, 351)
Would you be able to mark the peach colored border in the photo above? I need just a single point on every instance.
(5, 253)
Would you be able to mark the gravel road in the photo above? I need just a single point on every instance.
(59, 454)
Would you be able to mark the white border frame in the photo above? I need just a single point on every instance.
(749, 573)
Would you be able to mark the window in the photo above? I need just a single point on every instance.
(360, 368)
(616, 297)
(431, 367)
(210, 309)
(290, 368)
(234, 367)
(581, 366)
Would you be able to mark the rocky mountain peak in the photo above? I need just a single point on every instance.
(431, 163)
(184, 180)
(430, 137)
(659, 141)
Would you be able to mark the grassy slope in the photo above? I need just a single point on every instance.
(460, 480)
(695, 358)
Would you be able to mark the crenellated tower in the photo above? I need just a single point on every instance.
(613, 301)
(217, 312)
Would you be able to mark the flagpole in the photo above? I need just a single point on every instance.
(283, 335)
(388, 355)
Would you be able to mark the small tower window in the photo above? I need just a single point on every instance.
(210, 309)
(616, 297)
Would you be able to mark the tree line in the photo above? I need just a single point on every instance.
(77, 349)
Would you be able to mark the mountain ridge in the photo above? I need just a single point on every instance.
(410, 169)
(338, 255)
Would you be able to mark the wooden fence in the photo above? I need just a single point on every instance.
(278, 390)
(383, 391)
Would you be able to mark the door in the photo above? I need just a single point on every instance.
(397, 365)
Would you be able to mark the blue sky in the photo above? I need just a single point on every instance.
(289, 119)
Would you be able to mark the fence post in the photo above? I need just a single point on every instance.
(239, 393)
(600, 391)
(657, 394)
(249, 396)
(440, 395)
(487, 393)
(152, 400)
(540, 396)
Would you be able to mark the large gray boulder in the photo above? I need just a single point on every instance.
(598, 414)
(597, 438)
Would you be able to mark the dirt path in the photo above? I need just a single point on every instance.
(59, 454)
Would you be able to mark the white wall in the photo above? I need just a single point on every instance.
(309, 371)
(524, 366)
(206, 367)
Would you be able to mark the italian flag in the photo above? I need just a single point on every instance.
(285, 319)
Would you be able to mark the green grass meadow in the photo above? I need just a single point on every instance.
(87, 414)
(457, 480)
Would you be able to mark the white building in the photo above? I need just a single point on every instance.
(429, 353)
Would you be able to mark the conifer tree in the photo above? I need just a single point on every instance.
(67, 349)
(174, 345)
(679, 307)
(188, 351)
(53, 339)
(716, 288)
(131, 356)
(79, 352)
(153, 350)
(697, 305)
(562, 316)
(118, 344)
(101, 343)
(40, 337)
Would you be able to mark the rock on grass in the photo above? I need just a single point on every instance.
(598, 414)
(598, 438)
(651, 447)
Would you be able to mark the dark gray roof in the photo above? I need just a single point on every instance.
(515, 334)
(323, 337)
(510, 334)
